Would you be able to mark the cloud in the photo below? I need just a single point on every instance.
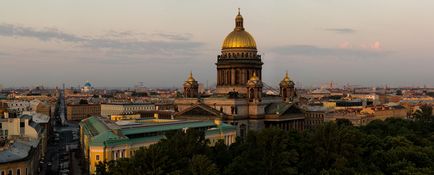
(127, 42)
(341, 30)
(373, 46)
(171, 36)
(345, 45)
(376, 45)
(44, 35)
(314, 51)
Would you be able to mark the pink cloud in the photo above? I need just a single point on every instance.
(376, 45)
(345, 45)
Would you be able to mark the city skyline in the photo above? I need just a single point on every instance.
(54, 42)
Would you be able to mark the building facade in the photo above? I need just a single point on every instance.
(239, 98)
(77, 112)
(125, 108)
(103, 139)
(20, 146)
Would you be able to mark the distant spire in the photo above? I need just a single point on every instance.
(239, 11)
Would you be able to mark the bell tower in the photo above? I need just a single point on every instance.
(287, 90)
(254, 89)
(191, 87)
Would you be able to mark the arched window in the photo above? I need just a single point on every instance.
(251, 94)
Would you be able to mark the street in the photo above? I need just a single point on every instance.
(63, 155)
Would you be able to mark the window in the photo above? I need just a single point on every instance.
(2, 172)
(22, 124)
(97, 157)
(18, 171)
(10, 172)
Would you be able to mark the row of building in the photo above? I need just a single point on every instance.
(77, 112)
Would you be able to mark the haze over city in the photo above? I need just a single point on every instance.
(120, 43)
(216, 87)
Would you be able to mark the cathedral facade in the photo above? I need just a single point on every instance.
(239, 99)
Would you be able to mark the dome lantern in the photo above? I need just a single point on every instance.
(239, 21)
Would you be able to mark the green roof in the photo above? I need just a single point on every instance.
(167, 127)
(101, 135)
(94, 125)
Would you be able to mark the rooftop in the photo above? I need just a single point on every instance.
(105, 131)
(18, 149)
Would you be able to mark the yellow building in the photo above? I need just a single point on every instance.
(124, 117)
(103, 139)
(20, 145)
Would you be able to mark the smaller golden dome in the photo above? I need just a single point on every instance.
(286, 77)
(254, 77)
(190, 78)
(254, 81)
(286, 81)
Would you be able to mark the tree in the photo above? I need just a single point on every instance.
(343, 122)
(265, 152)
(424, 114)
(151, 160)
(201, 165)
(399, 92)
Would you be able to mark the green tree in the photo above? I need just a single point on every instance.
(424, 114)
(201, 165)
(265, 152)
(151, 160)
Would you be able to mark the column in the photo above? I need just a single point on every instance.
(232, 76)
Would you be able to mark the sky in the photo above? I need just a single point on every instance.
(114, 43)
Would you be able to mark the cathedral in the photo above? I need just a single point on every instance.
(239, 98)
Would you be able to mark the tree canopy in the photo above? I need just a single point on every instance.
(393, 146)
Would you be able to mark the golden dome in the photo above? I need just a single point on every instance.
(286, 81)
(190, 78)
(254, 81)
(239, 38)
